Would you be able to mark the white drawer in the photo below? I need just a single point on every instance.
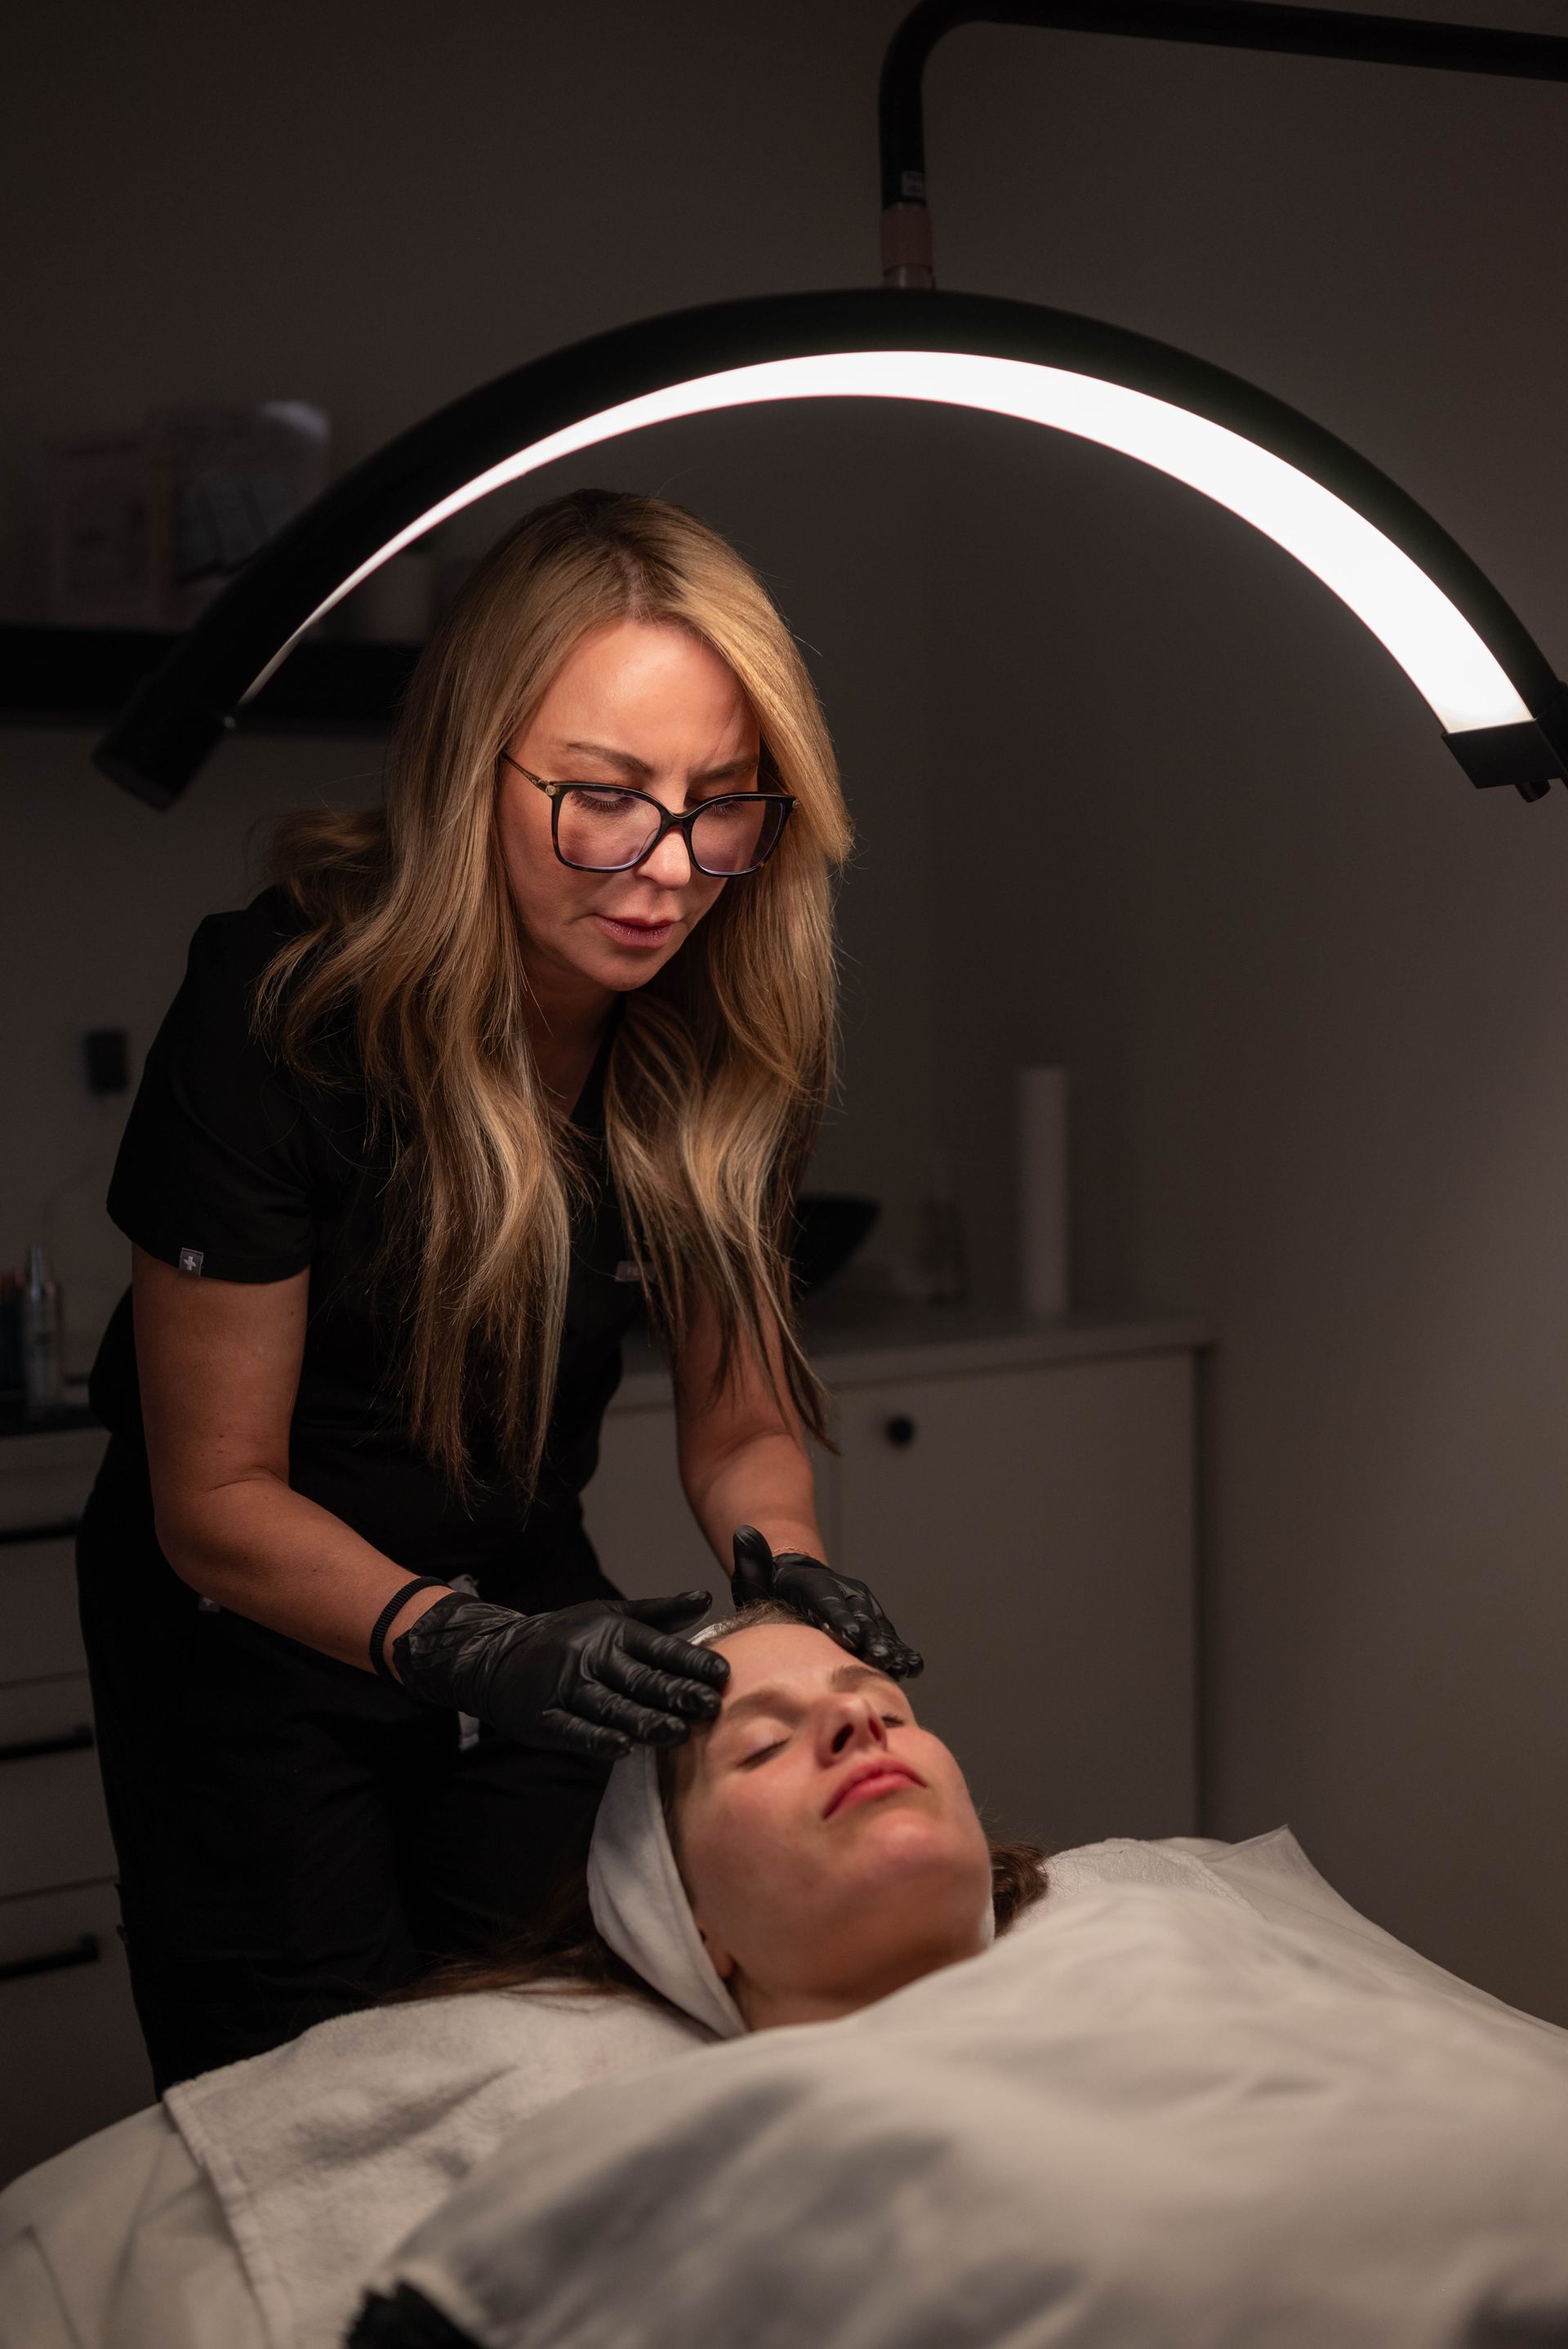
(40, 1636)
(73, 2055)
(53, 1829)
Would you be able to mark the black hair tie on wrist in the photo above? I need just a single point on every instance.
(378, 1628)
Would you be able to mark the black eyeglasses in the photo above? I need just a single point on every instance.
(608, 828)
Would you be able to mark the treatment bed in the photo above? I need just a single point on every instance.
(1192, 2097)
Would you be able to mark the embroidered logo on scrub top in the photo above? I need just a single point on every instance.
(191, 1260)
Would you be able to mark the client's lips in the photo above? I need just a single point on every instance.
(889, 1772)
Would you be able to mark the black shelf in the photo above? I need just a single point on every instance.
(15, 1419)
(84, 676)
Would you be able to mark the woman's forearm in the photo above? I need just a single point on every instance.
(765, 1481)
(262, 1550)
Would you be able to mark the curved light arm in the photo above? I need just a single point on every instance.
(1497, 700)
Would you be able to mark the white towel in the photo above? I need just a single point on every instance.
(325, 2153)
(639, 1902)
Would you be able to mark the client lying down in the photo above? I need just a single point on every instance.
(1151, 2114)
(811, 1851)
(804, 2060)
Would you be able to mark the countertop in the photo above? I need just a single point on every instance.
(853, 1342)
(859, 1342)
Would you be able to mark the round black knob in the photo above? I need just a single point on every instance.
(900, 1429)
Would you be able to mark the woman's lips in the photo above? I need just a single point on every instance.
(635, 934)
(871, 1783)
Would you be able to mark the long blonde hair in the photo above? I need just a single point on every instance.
(721, 1064)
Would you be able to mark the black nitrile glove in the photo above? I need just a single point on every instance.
(835, 1603)
(595, 1679)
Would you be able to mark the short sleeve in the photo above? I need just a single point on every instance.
(213, 1174)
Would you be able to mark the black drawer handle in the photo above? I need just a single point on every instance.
(85, 1952)
(64, 1531)
(900, 1431)
(78, 1739)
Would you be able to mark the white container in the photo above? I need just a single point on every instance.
(1045, 1234)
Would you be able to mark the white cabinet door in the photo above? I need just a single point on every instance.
(649, 1544)
(1031, 1531)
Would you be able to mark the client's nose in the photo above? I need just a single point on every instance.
(853, 1721)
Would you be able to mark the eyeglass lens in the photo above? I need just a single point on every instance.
(606, 829)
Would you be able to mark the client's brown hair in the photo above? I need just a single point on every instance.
(565, 1950)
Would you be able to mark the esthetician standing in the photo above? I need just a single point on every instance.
(423, 1126)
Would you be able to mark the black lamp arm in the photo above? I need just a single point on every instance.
(1214, 24)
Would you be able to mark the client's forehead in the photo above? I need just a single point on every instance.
(784, 1652)
(779, 1666)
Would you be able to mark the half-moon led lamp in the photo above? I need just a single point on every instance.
(1493, 693)
(1500, 707)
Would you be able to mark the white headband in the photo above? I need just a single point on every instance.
(638, 1901)
(635, 1892)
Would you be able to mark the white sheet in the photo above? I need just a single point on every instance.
(326, 2152)
(1153, 2118)
(121, 2243)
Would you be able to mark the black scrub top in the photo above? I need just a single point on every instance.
(232, 1168)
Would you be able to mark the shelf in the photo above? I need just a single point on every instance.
(60, 1418)
(84, 676)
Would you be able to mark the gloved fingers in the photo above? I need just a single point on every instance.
(879, 1643)
(682, 1659)
(604, 1707)
(567, 1732)
(753, 1576)
(857, 1622)
(667, 1692)
(876, 1642)
(844, 1620)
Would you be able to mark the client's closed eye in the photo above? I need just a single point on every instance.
(748, 1761)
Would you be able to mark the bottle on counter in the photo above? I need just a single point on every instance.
(42, 1366)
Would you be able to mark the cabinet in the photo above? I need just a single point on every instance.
(72, 2059)
(1022, 1503)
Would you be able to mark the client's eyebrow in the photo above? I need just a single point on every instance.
(775, 1698)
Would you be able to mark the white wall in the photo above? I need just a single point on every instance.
(1309, 982)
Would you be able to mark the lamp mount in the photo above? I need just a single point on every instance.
(907, 244)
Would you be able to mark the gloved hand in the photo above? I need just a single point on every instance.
(835, 1603)
(592, 1678)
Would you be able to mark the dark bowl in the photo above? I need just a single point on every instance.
(828, 1227)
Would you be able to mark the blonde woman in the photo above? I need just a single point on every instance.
(547, 1036)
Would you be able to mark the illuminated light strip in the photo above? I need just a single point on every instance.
(1440, 652)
